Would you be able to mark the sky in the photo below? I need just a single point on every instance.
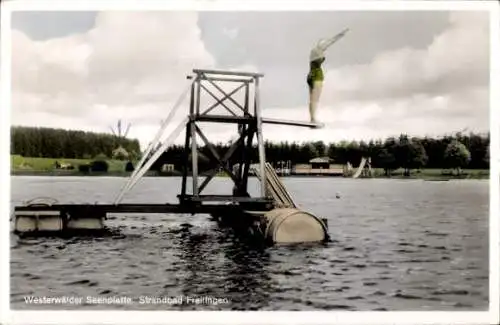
(420, 73)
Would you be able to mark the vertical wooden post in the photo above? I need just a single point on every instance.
(198, 87)
(248, 149)
(244, 158)
(260, 139)
(192, 129)
(194, 159)
(185, 160)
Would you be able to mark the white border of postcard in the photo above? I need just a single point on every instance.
(160, 317)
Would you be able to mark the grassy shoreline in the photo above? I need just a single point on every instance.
(434, 174)
(423, 175)
(24, 166)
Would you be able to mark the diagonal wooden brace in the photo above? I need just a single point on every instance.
(228, 97)
(220, 101)
(222, 161)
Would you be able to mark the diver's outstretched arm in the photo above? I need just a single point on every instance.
(323, 44)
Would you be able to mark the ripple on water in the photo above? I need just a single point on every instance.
(342, 289)
(406, 251)
(291, 272)
(355, 298)
(407, 296)
(385, 277)
(135, 276)
(82, 282)
(455, 292)
(30, 276)
(337, 261)
(435, 233)
(422, 260)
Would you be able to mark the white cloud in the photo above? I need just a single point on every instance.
(457, 58)
(231, 33)
(118, 69)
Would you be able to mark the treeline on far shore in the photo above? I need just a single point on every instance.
(69, 144)
(457, 151)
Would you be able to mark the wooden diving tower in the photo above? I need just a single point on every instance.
(247, 117)
(272, 213)
(249, 120)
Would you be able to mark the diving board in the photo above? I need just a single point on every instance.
(293, 123)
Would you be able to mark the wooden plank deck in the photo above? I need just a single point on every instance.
(102, 209)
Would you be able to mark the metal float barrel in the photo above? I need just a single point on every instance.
(289, 225)
(44, 216)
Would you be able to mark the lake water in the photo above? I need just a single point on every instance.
(396, 245)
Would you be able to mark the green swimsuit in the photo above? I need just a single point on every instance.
(315, 72)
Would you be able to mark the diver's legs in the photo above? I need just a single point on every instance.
(314, 95)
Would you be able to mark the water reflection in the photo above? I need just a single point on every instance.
(236, 269)
(247, 278)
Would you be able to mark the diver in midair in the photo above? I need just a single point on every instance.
(315, 77)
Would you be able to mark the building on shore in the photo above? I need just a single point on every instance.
(165, 168)
(319, 166)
